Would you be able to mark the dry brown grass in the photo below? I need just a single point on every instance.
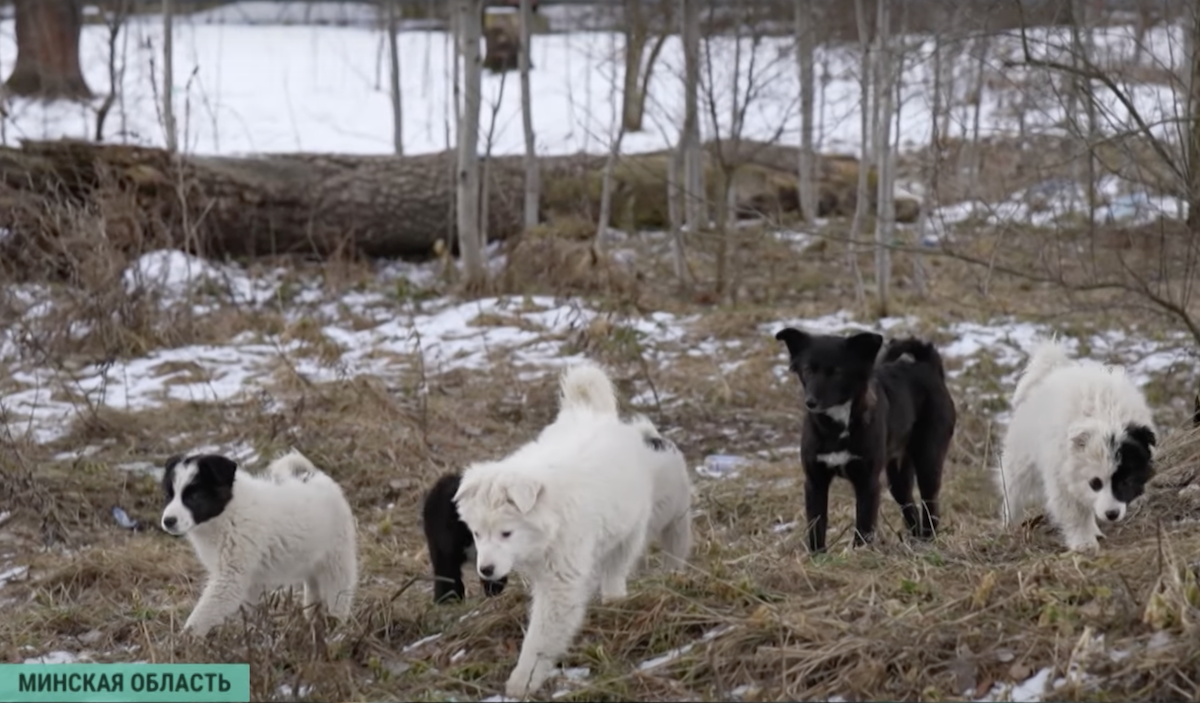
(898, 621)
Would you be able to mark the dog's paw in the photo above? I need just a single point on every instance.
(614, 591)
(526, 680)
(1091, 548)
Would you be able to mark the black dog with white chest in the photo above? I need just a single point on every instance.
(450, 543)
(864, 419)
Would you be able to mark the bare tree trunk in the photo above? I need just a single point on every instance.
(47, 65)
(861, 194)
(675, 218)
(693, 158)
(533, 186)
(636, 33)
(470, 31)
(1081, 53)
(614, 151)
(393, 30)
(805, 51)
(885, 223)
(1192, 81)
(168, 88)
(975, 153)
(638, 66)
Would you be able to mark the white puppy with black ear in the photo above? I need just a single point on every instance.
(290, 526)
(1081, 443)
(572, 511)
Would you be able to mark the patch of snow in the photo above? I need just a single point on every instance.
(288, 691)
(60, 657)
(721, 466)
(12, 574)
(421, 642)
(678, 652)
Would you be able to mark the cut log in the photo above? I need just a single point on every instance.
(62, 196)
(373, 206)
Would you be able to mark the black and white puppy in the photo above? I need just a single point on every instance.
(288, 526)
(863, 419)
(450, 543)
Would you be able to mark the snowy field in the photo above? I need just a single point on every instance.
(280, 87)
(373, 338)
(277, 87)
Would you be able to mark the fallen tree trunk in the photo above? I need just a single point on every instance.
(59, 200)
(373, 206)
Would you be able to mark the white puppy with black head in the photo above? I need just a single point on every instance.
(290, 526)
(572, 511)
(1081, 443)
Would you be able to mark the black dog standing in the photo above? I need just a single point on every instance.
(450, 543)
(862, 419)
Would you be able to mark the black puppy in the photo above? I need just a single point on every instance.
(450, 543)
(863, 418)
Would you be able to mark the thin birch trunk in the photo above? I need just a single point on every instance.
(393, 30)
(533, 184)
(168, 87)
(805, 56)
(469, 21)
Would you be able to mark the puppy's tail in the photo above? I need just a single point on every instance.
(1048, 356)
(294, 466)
(585, 386)
(919, 351)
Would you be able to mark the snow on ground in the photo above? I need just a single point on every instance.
(371, 332)
(323, 88)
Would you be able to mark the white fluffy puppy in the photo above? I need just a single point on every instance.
(289, 526)
(1080, 442)
(571, 512)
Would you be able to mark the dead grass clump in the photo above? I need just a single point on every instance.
(548, 263)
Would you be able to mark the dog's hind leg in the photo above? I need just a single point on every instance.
(618, 563)
(927, 461)
(336, 583)
(1017, 481)
(676, 542)
(616, 566)
(900, 483)
(559, 606)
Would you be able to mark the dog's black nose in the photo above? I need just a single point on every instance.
(487, 571)
(1112, 515)
(810, 404)
(169, 522)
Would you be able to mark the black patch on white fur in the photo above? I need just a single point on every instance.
(449, 539)
(210, 489)
(1135, 466)
(659, 444)
(901, 421)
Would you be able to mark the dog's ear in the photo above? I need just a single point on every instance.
(1196, 411)
(1079, 435)
(466, 491)
(864, 346)
(221, 468)
(524, 494)
(795, 340)
(1143, 435)
(172, 462)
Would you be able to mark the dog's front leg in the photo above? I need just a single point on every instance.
(222, 597)
(816, 507)
(559, 605)
(866, 497)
